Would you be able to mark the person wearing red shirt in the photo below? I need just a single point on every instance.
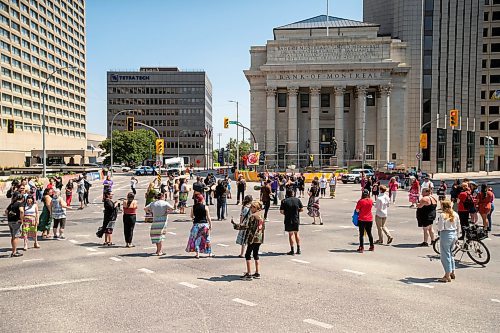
(365, 220)
(463, 213)
(484, 204)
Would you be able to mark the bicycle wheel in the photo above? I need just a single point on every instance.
(436, 245)
(478, 252)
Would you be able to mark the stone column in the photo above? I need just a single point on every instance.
(339, 124)
(314, 132)
(384, 123)
(360, 121)
(271, 126)
(292, 126)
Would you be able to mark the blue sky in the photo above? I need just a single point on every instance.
(213, 35)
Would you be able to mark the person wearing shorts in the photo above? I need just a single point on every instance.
(291, 208)
(13, 213)
(58, 209)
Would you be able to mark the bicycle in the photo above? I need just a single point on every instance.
(472, 244)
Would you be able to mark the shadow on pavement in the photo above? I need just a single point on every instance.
(91, 244)
(406, 246)
(178, 256)
(343, 251)
(410, 280)
(222, 278)
(272, 254)
(136, 255)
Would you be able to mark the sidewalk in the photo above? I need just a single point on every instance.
(469, 175)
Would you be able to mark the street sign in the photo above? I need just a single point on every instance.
(418, 156)
(423, 140)
(253, 158)
(256, 146)
(391, 165)
(233, 122)
(158, 163)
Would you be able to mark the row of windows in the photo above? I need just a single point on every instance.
(156, 90)
(495, 48)
(8, 111)
(494, 63)
(493, 126)
(492, 109)
(494, 79)
(492, 2)
(495, 32)
(156, 101)
(29, 127)
(27, 102)
(494, 17)
(304, 100)
(184, 145)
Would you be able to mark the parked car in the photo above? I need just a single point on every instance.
(145, 171)
(355, 175)
(120, 168)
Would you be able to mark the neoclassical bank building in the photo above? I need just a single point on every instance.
(332, 94)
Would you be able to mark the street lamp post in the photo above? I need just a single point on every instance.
(490, 142)
(237, 136)
(111, 139)
(178, 142)
(44, 150)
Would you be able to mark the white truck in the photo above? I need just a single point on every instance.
(174, 166)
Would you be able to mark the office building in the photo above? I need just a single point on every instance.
(176, 103)
(444, 51)
(39, 38)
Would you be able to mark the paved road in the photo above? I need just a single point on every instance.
(76, 285)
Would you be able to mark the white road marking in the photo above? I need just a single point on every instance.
(28, 260)
(171, 233)
(41, 285)
(495, 300)
(318, 323)
(115, 259)
(353, 272)
(301, 261)
(145, 270)
(90, 249)
(189, 285)
(223, 245)
(149, 248)
(347, 226)
(280, 234)
(73, 241)
(242, 301)
(95, 253)
(421, 285)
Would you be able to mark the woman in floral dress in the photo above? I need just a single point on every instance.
(199, 237)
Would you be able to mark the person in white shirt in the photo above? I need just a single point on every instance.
(427, 184)
(322, 185)
(333, 185)
(381, 206)
(447, 225)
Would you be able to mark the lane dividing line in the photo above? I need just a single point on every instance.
(115, 259)
(90, 249)
(50, 284)
(242, 301)
(29, 260)
(317, 230)
(495, 300)
(301, 261)
(171, 233)
(353, 272)
(421, 285)
(223, 245)
(318, 323)
(145, 270)
(189, 285)
(73, 241)
(95, 253)
(346, 227)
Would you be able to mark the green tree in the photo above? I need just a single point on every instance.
(245, 148)
(129, 148)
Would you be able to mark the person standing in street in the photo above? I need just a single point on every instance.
(199, 236)
(45, 220)
(492, 208)
(69, 192)
(365, 220)
(454, 192)
(427, 184)
(265, 197)
(381, 206)
(221, 197)
(414, 193)
(183, 195)
(13, 213)
(485, 198)
(80, 190)
(159, 210)
(87, 186)
(465, 203)
(274, 189)
(426, 214)
(58, 213)
(129, 218)
(322, 185)
(291, 207)
(301, 181)
(241, 187)
(313, 209)
(255, 230)
(241, 239)
(29, 218)
(441, 192)
(110, 215)
(376, 189)
(333, 185)
(393, 189)
(447, 226)
(133, 185)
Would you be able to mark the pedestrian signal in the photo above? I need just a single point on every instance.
(226, 122)
(10, 125)
(453, 118)
(130, 124)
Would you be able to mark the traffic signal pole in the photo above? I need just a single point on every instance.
(111, 138)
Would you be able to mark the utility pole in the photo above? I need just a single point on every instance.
(219, 135)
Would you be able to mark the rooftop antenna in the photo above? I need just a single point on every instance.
(327, 19)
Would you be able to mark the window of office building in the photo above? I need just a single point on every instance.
(304, 100)
(282, 100)
(494, 63)
(347, 100)
(495, 16)
(495, 47)
(494, 78)
(493, 109)
(370, 98)
(325, 100)
(370, 152)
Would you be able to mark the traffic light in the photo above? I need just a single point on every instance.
(10, 125)
(160, 146)
(453, 118)
(130, 124)
(226, 122)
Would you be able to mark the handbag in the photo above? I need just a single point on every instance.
(355, 218)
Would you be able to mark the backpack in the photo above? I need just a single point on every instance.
(13, 212)
(468, 202)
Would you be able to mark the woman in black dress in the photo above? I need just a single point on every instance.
(426, 214)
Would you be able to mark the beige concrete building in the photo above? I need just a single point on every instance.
(490, 108)
(331, 88)
(444, 42)
(39, 38)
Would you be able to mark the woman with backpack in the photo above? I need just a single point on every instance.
(241, 239)
(376, 189)
(110, 215)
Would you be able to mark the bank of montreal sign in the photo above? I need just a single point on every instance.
(116, 77)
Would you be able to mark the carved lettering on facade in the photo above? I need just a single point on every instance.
(332, 76)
